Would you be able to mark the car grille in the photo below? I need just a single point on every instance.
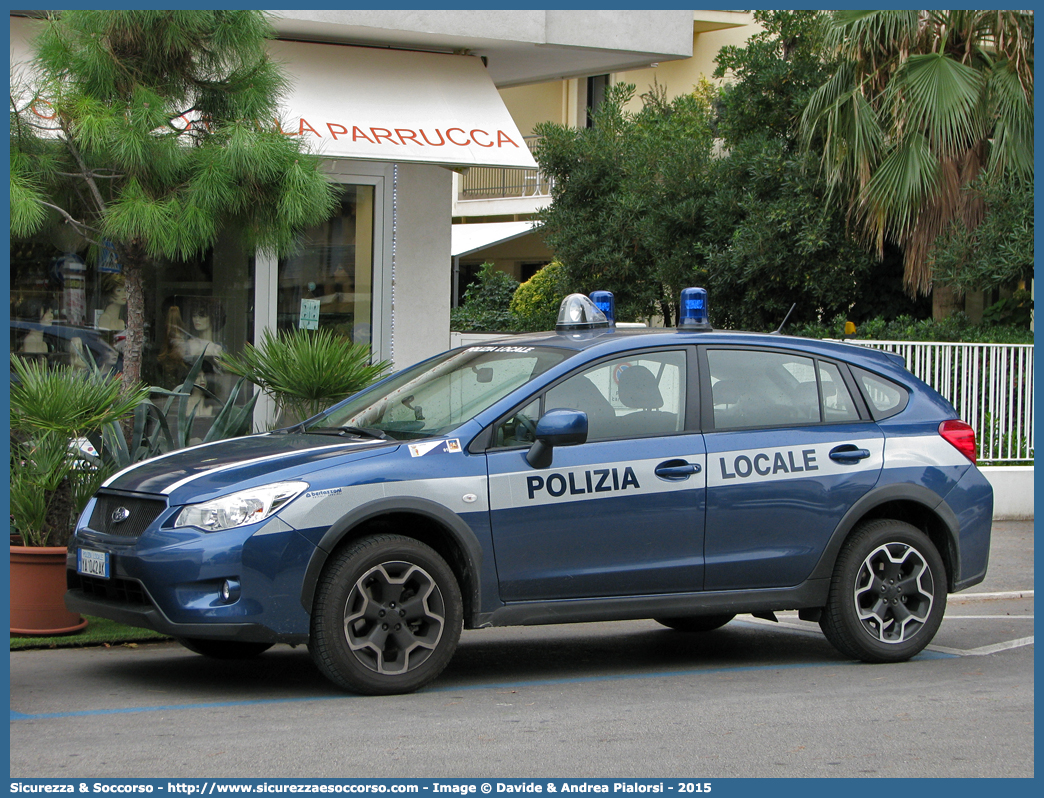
(136, 515)
(124, 591)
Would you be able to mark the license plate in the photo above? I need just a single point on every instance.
(92, 563)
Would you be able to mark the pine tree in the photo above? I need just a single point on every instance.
(151, 132)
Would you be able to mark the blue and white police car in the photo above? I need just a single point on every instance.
(590, 474)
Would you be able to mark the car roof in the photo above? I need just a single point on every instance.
(620, 340)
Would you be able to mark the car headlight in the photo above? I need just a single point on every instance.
(239, 509)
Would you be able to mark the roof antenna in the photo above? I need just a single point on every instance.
(784, 324)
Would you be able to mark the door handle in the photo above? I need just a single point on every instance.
(848, 453)
(676, 469)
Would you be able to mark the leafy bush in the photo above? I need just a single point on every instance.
(999, 251)
(306, 371)
(487, 303)
(1016, 309)
(957, 328)
(537, 300)
(627, 203)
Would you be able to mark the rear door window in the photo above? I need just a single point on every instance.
(754, 388)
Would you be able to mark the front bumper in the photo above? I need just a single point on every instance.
(151, 617)
(170, 580)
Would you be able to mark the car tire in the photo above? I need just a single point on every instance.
(696, 623)
(223, 649)
(387, 616)
(887, 594)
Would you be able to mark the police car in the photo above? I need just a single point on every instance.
(685, 475)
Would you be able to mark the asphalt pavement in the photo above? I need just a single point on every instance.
(626, 699)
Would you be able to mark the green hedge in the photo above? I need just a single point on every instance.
(956, 329)
(496, 303)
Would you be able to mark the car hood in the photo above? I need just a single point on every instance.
(259, 458)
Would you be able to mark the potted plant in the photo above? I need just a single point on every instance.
(305, 371)
(54, 472)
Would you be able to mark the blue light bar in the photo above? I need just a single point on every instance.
(606, 303)
(695, 313)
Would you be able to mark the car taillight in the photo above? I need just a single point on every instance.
(960, 436)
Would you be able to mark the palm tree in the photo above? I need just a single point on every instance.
(922, 104)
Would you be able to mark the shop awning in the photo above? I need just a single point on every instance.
(468, 238)
(394, 105)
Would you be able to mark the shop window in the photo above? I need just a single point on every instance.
(328, 282)
(65, 302)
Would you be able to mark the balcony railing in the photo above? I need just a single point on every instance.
(494, 182)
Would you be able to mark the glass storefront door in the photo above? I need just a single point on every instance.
(328, 282)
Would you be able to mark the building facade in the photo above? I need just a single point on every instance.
(498, 198)
(396, 103)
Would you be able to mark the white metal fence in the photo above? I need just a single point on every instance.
(990, 385)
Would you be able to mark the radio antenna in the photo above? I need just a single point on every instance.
(784, 324)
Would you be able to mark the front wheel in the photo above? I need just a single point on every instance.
(887, 595)
(387, 616)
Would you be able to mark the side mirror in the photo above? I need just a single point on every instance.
(556, 428)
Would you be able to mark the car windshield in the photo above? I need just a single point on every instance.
(438, 396)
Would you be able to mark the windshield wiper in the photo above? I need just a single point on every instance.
(361, 432)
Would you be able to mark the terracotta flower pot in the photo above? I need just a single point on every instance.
(38, 593)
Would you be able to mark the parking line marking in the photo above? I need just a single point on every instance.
(984, 650)
(990, 617)
(958, 598)
(21, 716)
(955, 652)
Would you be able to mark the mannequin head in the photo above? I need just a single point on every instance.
(39, 310)
(201, 324)
(174, 339)
(206, 318)
(112, 317)
(115, 289)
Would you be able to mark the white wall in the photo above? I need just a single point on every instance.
(1012, 491)
(420, 315)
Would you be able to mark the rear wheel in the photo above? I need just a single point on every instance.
(223, 649)
(887, 595)
(696, 623)
(387, 616)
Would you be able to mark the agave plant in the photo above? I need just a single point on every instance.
(52, 412)
(150, 434)
(305, 371)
